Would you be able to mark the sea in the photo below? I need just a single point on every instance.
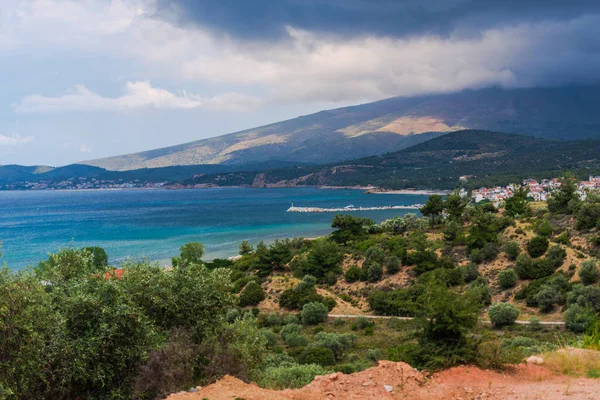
(153, 224)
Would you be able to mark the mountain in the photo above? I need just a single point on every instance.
(491, 157)
(387, 125)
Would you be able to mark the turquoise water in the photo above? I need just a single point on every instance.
(154, 223)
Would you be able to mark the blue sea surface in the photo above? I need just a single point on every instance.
(153, 224)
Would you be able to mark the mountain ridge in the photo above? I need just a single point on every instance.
(387, 125)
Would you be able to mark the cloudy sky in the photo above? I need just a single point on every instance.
(83, 79)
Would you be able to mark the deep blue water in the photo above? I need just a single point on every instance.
(154, 223)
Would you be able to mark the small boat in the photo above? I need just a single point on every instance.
(349, 206)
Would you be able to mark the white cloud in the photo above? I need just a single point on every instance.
(14, 140)
(305, 67)
(136, 95)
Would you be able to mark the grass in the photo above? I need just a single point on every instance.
(574, 362)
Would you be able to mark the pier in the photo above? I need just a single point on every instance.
(351, 209)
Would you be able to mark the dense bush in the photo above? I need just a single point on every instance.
(556, 256)
(372, 271)
(314, 313)
(470, 272)
(305, 292)
(588, 272)
(502, 314)
(585, 296)
(392, 265)
(507, 278)
(291, 335)
(338, 343)
(537, 246)
(547, 297)
(353, 274)
(528, 268)
(291, 319)
(317, 355)
(579, 318)
(512, 250)
(252, 294)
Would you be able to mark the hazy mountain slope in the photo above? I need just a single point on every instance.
(388, 125)
(492, 157)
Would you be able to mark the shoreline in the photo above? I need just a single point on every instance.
(407, 191)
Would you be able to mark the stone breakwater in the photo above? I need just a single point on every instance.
(351, 209)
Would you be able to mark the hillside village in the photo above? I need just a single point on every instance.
(538, 190)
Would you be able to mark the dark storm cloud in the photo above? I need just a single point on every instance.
(267, 19)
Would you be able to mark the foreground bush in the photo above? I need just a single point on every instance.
(502, 314)
(579, 318)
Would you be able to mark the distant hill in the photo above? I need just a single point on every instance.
(492, 157)
(11, 174)
(386, 126)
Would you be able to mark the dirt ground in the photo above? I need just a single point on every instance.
(390, 380)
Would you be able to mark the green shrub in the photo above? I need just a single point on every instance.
(528, 268)
(579, 319)
(272, 319)
(548, 297)
(502, 314)
(392, 265)
(305, 292)
(338, 322)
(563, 238)
(490, 251)
(291, 319)
(556, 256)
(512, 250)
(374, 355)
(588, 272)
(289, 376)
(314, 313)
(544, 228)
(291, 336)
(317, 355)
(353, 274)
(251, 295)
(585, 296)
(470, 272)
(507, 278)
(232, 315)
(337, 343)
(372, 271)
(362, 323)
(270, 337)
(537, 246)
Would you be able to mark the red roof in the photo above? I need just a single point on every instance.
(116, 273)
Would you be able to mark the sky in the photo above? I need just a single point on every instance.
(84, 79)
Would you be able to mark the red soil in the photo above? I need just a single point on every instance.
(461, 383)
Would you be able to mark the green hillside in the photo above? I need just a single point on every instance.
(493, 158)
(385, 126)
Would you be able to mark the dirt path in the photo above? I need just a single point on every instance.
(390, 380)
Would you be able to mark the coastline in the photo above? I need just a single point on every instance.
(407, 191)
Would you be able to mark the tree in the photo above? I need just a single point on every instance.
(455, 206)
(280, 253)
(314, 313)
(588, 272)
(564, 199)
(445, 320)
(517, 205)
(67, 265)
(502, 314)
(353, 274)
(252, 294)
(190, 253)
(246, 248)
(507, 278)
(324, 256)
(392, 265)
(372, 271)
(512, 250)
(349, 228)
(548, 297)
(99, 257)
(537, 246)
(433, 208)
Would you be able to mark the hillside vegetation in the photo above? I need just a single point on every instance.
(73, 327)
(387, 125)
(492, 158)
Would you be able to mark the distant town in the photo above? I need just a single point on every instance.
(82, 183)
(538, 190)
